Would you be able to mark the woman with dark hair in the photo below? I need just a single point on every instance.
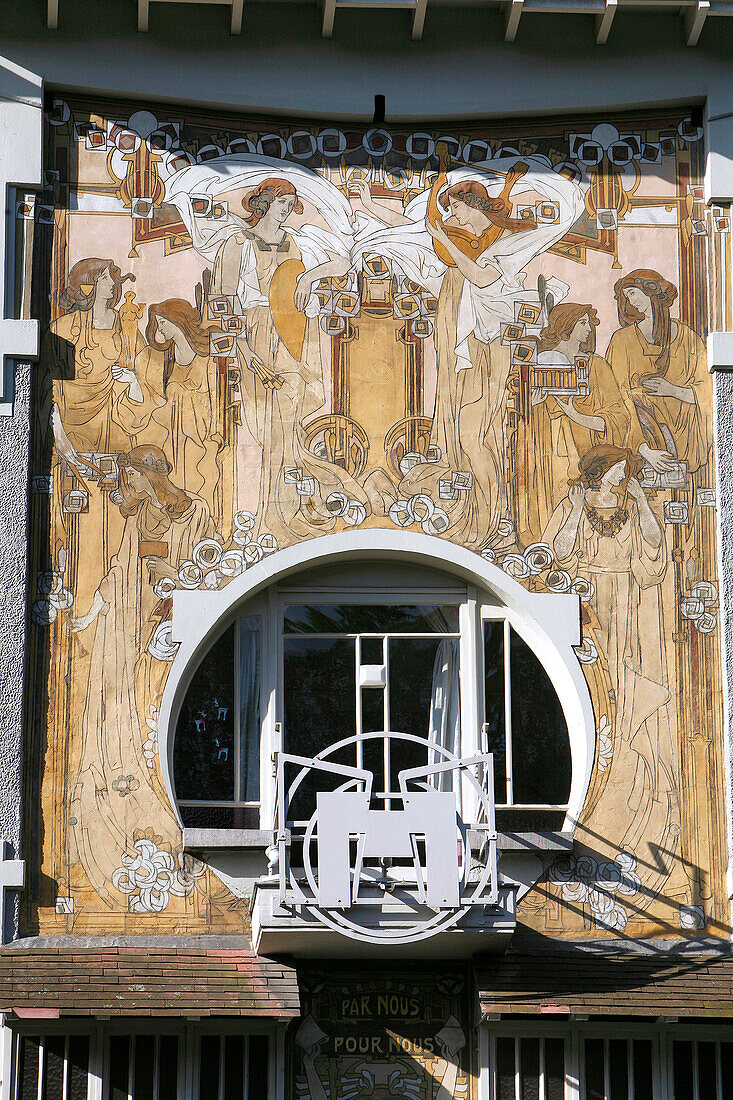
(180, 408)
(561, 428)
(83, 358)
(661, 368)
(112, 794)
(606, 533)
(85, 351)
(270, 271)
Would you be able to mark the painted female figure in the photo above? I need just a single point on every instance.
(606, 532)
(472, 372)
(180, 412)
(661, 369)
(282, 376)
(474, 259)
(85, 351)
(561, 428)
(113, 796)
(84, 354)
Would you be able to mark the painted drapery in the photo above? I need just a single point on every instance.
(255, 337)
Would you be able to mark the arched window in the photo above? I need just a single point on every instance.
(371, 647)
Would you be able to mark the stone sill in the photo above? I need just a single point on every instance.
(234, 839)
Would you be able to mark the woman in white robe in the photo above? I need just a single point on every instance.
(282, 382)
(475, 295)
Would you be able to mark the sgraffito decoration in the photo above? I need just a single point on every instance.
(369, 1035)
(257, 333)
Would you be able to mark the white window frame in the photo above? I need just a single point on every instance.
(188, 1030)
(474, 609)
(661, 1033)
(549, 624)
(512, 621)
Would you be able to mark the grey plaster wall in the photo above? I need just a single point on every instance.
(461, 68)
(14, 441)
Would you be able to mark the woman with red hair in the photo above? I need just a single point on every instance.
(563, 427)
(661, 368)
(113, 787)
(180, 409)
(282, 383)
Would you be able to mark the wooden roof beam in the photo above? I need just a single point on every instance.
(418, 19)
(604, 21)
(511, 19)
(695, 20)
(143, 11)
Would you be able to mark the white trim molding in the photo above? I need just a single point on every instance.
(720, 351)
(550, 626)
(21, 157)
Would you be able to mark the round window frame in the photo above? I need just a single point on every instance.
(548, 622)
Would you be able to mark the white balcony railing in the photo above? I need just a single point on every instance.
(391, 866)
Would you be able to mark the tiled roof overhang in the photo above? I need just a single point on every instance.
(145, 982)
(583, 982)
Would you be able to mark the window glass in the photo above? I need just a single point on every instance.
(706, 1070)
(594, 1070)
(541, 762)
(77, 1067)
(319, 692)
(144, 1074)
(119, 1067)
(53, 1068)
(370, 619)
(683, 1075)
(257, 1067)
(529, 1064)
(204, 749)
(168, 1067)
(209, 1066)
(424, 700)
(249, 708)
(726, 1070)
(216, 756)
(234, 1067)
(505, 1069)
(29, 1063)
(554, 1069)
(372, 709)
(494, 702)
(319, 697)
(618, 1069)
(643, 1076)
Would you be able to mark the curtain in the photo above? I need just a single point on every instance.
(445, 710)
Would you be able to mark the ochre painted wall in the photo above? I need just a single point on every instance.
(260, 332)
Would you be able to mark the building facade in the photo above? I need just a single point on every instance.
(365, 435)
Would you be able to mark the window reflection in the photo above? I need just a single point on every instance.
(370, 619)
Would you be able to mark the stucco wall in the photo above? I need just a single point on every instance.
(14, 435)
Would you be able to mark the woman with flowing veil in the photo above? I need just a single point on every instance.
(282, 376)
(478, 288)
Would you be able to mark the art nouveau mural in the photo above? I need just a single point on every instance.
(259, 333)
